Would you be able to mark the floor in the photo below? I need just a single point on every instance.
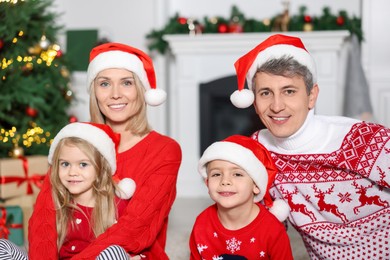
(183, 214)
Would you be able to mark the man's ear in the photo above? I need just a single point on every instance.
(313, 95)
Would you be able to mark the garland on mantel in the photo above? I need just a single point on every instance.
(237, 23)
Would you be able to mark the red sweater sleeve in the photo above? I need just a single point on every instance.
(42, 233)
(154, 169)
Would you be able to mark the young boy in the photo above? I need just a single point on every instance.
(238, 172)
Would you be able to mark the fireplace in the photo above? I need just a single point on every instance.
(201, 78)
(218, 117)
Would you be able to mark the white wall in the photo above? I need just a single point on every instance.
(129, 21)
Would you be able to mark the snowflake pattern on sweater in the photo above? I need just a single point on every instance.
(264, 238)
(339, 199)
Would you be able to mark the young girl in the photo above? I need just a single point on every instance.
(238, 172)
(82, 159)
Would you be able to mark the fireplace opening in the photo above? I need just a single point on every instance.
(219, 118)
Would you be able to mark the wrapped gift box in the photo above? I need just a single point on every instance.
(11, 224)
(22, 176)
(26, 203)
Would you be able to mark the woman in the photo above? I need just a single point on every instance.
(121, 81)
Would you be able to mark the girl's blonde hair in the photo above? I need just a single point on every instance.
(104, 212)
(138, 124)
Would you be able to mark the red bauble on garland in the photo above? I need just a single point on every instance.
(1, 44)
(307, 19)
(182, 20)
(32, 112)
(223, 28)
(340, 20)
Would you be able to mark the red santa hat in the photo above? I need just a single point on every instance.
(253, 158)
(103, 138)
(274, 47)
(121, 56)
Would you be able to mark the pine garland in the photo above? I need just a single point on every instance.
(237, 23)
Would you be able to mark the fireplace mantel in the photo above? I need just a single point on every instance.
(202, 58)
(243, 42)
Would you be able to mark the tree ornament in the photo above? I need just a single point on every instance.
(68, 95)
(222, 28)
(73, 119)
(32, 112)
(340, 20)
(44, 42)
(35, 50)
(16, 151)
(59, 54)
(1, 44)
(65, 72)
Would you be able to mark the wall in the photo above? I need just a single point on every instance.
(128, 21)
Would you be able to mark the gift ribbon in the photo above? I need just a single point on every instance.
(4, 227)
(35, 179)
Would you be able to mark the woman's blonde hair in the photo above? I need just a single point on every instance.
(138, 124)
(104, 212)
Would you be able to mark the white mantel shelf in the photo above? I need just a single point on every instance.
(202, 58)
(239, 42)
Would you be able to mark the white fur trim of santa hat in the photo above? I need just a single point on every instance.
(120, 56)
(240, 150)
(274, 47)
(104, 140)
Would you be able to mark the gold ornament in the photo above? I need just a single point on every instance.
(308, 27)
(16, 151)
(64, 72)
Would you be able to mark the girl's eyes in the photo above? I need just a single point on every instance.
(83, 164)
(67, 164)
(64, 164)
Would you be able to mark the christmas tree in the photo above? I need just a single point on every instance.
(34, 78)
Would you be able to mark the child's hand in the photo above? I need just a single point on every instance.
(137, 257)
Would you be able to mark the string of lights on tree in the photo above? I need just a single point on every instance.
(35, 78)
(238, 23)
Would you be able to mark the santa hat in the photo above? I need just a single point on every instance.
(253, 158)
(103, 138)
(273, 47)
(116, 55)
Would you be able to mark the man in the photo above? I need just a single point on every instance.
(334, 172)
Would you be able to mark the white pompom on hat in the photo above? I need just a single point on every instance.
(121, 56)
(274, 47)
(253, 158)
(103, 138)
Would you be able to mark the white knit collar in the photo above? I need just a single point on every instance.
(304, 140)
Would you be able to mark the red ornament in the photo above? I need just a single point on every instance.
(222, 28)
(340, 20)
(235, 28)
(73, 119)
(182, 20)
(1, 44)
(307, 18)
(31, 112)
(59, 54)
